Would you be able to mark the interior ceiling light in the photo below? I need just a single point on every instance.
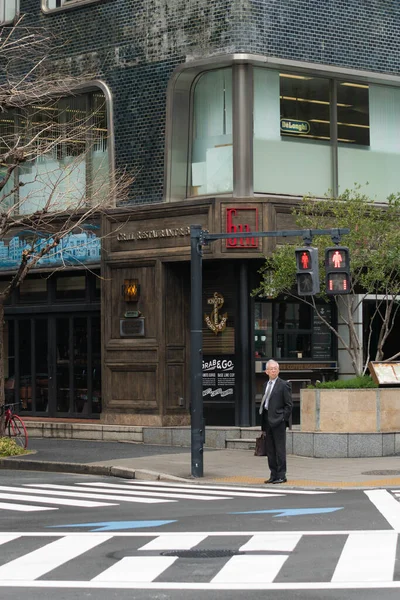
(339, 123)
(326, 102)
(354, 125)
(316, 137)
(357, 85)
(288, 76)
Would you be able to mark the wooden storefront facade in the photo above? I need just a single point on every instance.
(146, 338)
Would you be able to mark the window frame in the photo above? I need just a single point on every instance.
(3, 20)
(179, 116)
(67, 5)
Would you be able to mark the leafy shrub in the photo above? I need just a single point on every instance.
(364, 381)
(9, 447)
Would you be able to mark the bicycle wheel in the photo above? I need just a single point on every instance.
(17, 431)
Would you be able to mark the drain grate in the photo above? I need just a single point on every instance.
(387, 472)
(200, 553)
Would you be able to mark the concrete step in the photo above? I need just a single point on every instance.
(84, 431)
(216, 437)
(241, 444)
(248, 433)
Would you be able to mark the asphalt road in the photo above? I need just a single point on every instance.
(76, 451)
(153, 540)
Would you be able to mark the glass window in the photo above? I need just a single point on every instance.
(353, 113)
(291, 133)
(33, 289)
(263, 330)
(291, 331)
(293, 323)
(296, 150)
(372, 155)
(71, 287)
(9, 9)
(212, 162)
(304, 107)
(70, 160)
(293, 315)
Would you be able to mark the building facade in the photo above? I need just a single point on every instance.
(227, 113)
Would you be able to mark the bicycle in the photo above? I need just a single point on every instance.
(14, 425)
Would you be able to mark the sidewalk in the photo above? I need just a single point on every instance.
(239, 467)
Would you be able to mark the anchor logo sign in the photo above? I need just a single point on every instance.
(215, 321)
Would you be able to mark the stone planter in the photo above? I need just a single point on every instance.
(350, 411)
(348, 423)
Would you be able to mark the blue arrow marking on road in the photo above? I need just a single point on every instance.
(290, 512)
(117, 525)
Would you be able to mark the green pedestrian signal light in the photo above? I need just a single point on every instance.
(307, 272)
(337, 269)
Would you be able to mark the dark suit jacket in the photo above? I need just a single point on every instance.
(280, 404)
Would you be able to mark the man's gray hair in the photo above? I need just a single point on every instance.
(271, 362)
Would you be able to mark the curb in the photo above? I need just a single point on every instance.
(86, 469)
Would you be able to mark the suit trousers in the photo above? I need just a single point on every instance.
(276, 449)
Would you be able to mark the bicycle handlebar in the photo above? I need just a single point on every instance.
(8, 405)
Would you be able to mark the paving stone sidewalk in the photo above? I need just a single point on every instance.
(146, 461)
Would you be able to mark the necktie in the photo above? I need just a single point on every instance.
(265, 400)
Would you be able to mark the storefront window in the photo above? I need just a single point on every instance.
(291, 331)
(292, 152)
(263, 330)
(293, 149)
(212, 163)
(374, 153)
(312, 134)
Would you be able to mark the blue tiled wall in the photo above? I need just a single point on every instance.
(134, 46)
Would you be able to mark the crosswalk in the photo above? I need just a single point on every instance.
(201, 560)
(93, 494)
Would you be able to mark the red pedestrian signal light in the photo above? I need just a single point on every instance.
(337, 258)
(337, 267)
(305, 260)
(307, 272)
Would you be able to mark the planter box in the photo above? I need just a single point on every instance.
(373, 410)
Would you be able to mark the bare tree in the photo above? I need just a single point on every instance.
(54, 165)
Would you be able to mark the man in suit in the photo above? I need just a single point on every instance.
(275, 409)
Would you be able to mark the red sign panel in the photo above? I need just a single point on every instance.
(242, 221)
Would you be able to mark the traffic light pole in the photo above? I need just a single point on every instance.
(198, 239)
(196, 353)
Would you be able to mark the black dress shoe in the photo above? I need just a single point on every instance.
(283, 480)
(270, 480)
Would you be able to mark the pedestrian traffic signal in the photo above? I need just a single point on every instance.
(337, 268)
(307, 272)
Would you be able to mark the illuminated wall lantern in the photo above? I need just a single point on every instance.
(131, 290)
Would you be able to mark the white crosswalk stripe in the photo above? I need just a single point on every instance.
(230, 488)
(136, 569)
(45, 496)
(258, 560)
(376, 555)
(50, 500)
